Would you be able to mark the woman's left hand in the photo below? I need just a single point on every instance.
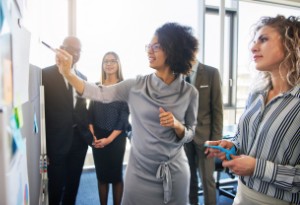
(103, 142)
(241, 165)
(97, 143)
(166, 118)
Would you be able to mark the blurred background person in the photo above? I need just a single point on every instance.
(207, 81)
(66, 145)
(109, 125)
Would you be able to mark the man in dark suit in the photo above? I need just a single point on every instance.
(65, 113)
(210, 124)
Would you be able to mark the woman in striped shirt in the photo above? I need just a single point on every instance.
(268, 134)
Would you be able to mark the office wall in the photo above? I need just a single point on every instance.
(20, 133)
(32, 131)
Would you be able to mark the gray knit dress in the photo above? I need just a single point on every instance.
(157, 171)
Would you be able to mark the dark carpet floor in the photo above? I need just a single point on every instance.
(88, 191)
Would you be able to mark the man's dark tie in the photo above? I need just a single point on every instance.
(70, 93)
(188, 79)
(69, 87)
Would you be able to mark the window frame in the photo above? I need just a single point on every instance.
(231, 93)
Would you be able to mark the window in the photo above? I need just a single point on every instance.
(212, 47)
(125, 27)
(47, 21)
(212, 50)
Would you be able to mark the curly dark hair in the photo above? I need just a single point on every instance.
(179, 45)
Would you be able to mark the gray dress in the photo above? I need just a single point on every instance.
(157, 171)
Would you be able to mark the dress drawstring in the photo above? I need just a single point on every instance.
(163, 173)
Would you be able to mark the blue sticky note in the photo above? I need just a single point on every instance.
(16, 134)
(1, 16)
(35, 124)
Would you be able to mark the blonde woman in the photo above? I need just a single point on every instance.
(108, 124)
(268, 136)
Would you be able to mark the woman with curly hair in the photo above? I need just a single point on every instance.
(268, 135)
(163, 111)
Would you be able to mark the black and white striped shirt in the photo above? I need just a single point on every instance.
(271, 134)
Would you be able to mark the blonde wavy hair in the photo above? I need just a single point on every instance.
(289, 30)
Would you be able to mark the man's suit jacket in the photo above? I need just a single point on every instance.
(210, 111)
(60, 113)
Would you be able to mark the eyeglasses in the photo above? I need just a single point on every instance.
(106, 62)
(154, 47)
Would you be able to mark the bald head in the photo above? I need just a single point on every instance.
(73, 46)
(72, 41)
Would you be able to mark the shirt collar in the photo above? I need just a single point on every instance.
(193, 73)
(295, 91)
(195, 66)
